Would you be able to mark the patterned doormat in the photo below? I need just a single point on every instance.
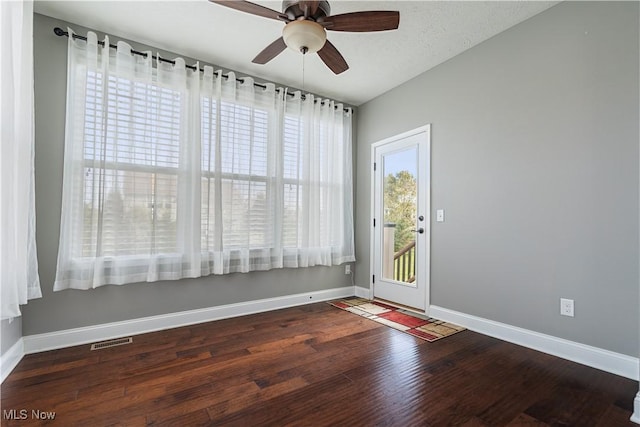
(418, 325)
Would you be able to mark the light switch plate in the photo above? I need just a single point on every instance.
(440, 215)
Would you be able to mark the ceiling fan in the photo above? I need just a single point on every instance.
(306, 25)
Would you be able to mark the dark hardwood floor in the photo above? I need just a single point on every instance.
(313, 365)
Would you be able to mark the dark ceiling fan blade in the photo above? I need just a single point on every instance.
(270, 52)
(309, 7)
(252, 8)
(362, 21)
(334, 60)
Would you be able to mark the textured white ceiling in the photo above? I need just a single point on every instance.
(430, 33)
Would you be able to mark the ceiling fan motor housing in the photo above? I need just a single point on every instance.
(295, 10)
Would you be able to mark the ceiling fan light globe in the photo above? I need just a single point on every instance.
(305, 36)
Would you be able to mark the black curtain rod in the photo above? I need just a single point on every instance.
(60, 32)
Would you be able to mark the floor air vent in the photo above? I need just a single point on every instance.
(111, 343)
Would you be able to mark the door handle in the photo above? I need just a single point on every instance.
(419, 230)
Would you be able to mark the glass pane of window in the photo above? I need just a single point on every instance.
(137, 216)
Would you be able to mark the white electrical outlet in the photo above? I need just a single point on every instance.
(347, 269)
(566, 307)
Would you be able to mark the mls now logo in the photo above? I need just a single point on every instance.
(23, 414)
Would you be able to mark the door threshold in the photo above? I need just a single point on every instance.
(402, 306)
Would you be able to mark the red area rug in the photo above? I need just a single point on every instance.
(426, 328)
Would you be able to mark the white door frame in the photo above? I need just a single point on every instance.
(426, 192)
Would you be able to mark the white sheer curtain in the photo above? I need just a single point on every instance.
(173, 173)
(19, 279)
(128, 176)
(240, 174)
(317, 183)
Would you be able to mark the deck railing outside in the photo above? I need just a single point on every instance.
(400, 265)
(404, 263)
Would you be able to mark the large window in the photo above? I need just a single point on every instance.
(172, 173)
(131, 155)
(243, 175)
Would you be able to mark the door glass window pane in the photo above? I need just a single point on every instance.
(400, 191)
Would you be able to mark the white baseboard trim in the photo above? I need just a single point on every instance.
(10, 359)
(362, 292)
(605, 360)
(635, 417)
(90, 334)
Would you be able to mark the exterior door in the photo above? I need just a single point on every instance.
(401, 219)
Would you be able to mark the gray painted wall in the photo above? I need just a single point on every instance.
(10, 333)
(535, 161)
(74, 308)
